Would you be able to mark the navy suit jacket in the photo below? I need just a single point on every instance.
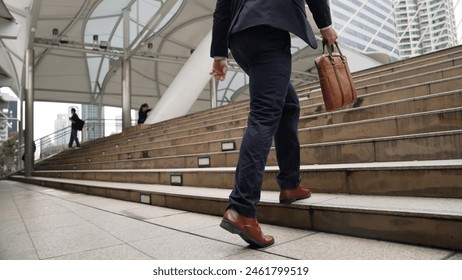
(232, 16)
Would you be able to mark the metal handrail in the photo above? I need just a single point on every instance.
(56, 142)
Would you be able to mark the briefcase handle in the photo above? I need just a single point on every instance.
(330, 50)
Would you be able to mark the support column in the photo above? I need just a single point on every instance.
(213, 92)
(126, 74)
(187, 85)
(126, 93)
(29, 113)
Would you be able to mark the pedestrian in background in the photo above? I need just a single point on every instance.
(143, 113)
(75, 120)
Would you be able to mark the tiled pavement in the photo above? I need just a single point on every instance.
(38, 223)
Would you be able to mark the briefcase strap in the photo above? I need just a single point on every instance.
(330, 50)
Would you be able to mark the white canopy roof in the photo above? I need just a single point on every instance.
(69, 67)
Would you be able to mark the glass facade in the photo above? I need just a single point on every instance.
(367, 26)
(424, 26)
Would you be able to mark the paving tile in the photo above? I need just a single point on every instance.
(255, 255)
(9, 214)
(146, 212)
(52, 221)
(108, 204)
(119, 252)
(15, 243)
(129, 230)
(6, 203)
(43, 209)
(324, 246)
(68, 240)
(183, 246)
(17, 247)
(187, 221)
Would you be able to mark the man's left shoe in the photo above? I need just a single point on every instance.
(289, 196)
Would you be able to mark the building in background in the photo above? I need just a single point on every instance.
(366, 26)
(8, 115)
(424, 26)
(93, 116)
(61, 122)
(398, 28)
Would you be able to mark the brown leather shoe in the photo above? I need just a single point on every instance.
(247, 228)
(289, 196)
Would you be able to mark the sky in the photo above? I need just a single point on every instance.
(44, 122)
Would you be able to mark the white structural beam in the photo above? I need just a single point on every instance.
(9, 29)
(187, 85)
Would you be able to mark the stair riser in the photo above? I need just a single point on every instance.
(395, 108)
(448, 64)
(397, 182)
(383, 128)
(433, 232)
(418, 148)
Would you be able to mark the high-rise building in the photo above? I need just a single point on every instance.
(94, 121)
(424, 26)
(61, 122)
(366, 25)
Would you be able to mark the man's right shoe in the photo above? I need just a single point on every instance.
(289, 196)
(247, 228)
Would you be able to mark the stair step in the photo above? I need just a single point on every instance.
(423, 146)
(435, 222)
(424, 122)
(434, 178)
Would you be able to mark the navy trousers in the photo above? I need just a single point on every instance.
(264, 54)
(73, 138)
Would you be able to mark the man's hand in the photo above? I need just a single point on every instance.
(219, 69)
(329, 35)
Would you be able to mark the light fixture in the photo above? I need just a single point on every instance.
(55, 35)
(95, 42)
(64, 39)
(203, 161)
(149, 52)
(228, 146)
(176, 179)
(104, 45)
(145, 198)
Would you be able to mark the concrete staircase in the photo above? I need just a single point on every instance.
(388, 167)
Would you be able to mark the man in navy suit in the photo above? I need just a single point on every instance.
(257, 33)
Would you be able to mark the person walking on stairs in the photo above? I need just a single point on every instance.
(74, 129)
(257, 33)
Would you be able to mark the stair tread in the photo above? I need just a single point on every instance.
(448, 163)
(450, 208)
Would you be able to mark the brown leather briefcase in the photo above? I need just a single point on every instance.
(337, 85)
